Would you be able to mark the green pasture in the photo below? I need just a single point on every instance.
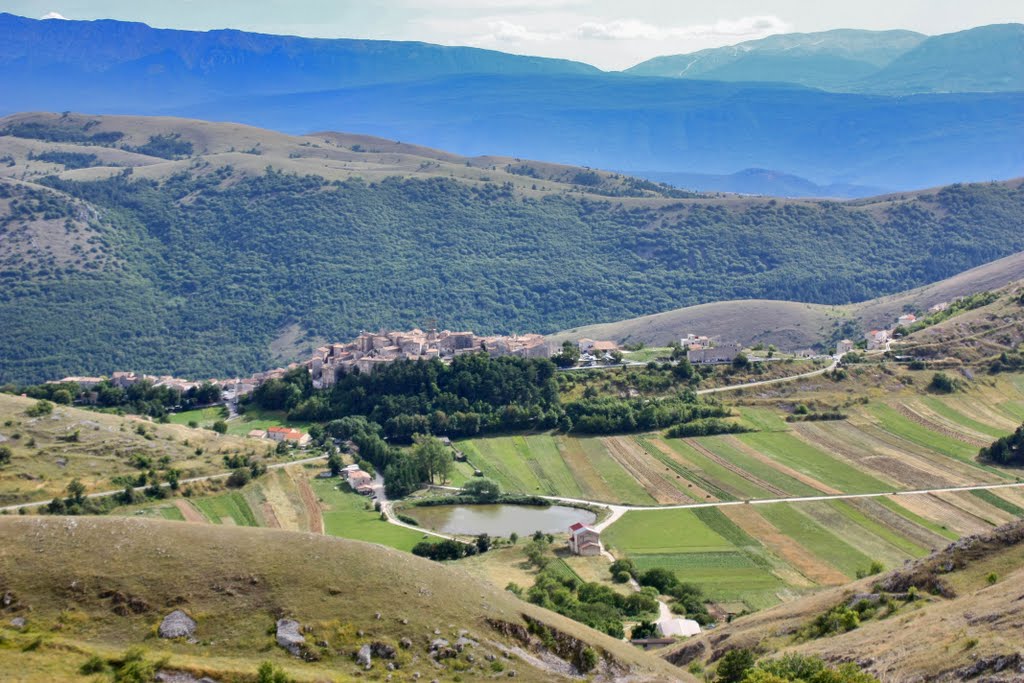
(805, 458)
(346, 516)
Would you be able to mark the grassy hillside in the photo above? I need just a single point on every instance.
(102, 585)
(965, 631)
(48, 451)
(202, 245)
(792, 325)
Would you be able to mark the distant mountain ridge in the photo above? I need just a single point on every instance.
(479, 102)
(760, 181)
(196, 65)
(982, 59)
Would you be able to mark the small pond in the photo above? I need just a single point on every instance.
(499, 520)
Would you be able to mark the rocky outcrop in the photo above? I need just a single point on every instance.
(289, 636)
(177, 624)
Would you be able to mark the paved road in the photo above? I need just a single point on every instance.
(219, 475)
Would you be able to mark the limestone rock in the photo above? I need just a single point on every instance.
(177, 624)
(289, 636)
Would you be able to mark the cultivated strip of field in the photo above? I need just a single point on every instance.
(799, 455)
(734, 479)
(594, 485)
(794, 481)
(972, 414)
(972, 505)
(644, 469)
(886, 513)
(828, 547)
(312, 505)
(947, 515)
(935, 423)
(188, 511)
(906, 463)
(748, 518)
(699, 487)
(627, 489)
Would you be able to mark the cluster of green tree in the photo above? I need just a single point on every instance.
(594, 604)
(141, 398)
(448, 549)
(706, 427)
(404, 470)
(688, 599)
(55, 132)
(69, 160)
(473, 394)
(1008, 450)
(739, 665)
(1008, 361)
(942, 383)
(816, 417)
(961, 305)
(164, 146)
(219, 273)
(653, 379)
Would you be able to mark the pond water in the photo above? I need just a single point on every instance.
(499, 520)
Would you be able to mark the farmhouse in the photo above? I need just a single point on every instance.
(722, 353)
(691, 340)
(287, 434)
(877, 339)
(844, 346)
(584, 541)
(906, 319)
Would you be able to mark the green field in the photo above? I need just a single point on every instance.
(256, 418)
(346, 515)
(703, 547)
(227, 506)
(721, 481)
(807, 459)
(625, 488)
(895, 423)
(1001, 503)
(763, 419)
(827, 546)
(204, 417)
(945, 410)
(172, 513)
(721, 446)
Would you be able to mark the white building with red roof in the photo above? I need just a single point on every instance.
(584, 540)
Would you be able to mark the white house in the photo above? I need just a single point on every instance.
(583, 540)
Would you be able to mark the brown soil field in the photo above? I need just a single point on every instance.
(644, 469)
(189, 511)
(696, 490)
(801, 559)
(939, 511)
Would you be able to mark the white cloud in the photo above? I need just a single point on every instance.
(505, 31)
(54, 15)
(633, 29)
(508, 32)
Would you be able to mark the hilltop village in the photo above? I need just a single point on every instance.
(371, 350)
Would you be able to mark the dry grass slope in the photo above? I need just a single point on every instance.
(74, 578)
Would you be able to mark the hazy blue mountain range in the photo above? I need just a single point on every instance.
(759, 181)
(983, 59)
(647, 124)
(481, 102)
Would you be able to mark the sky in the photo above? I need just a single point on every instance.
(610, 34)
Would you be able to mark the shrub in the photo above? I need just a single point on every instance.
(239, 477)
(41, 408)
(734, 666)
(587, 660)
(94, 665)
(943, 383)
(268, 673)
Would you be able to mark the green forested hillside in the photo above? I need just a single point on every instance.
(199, 271)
